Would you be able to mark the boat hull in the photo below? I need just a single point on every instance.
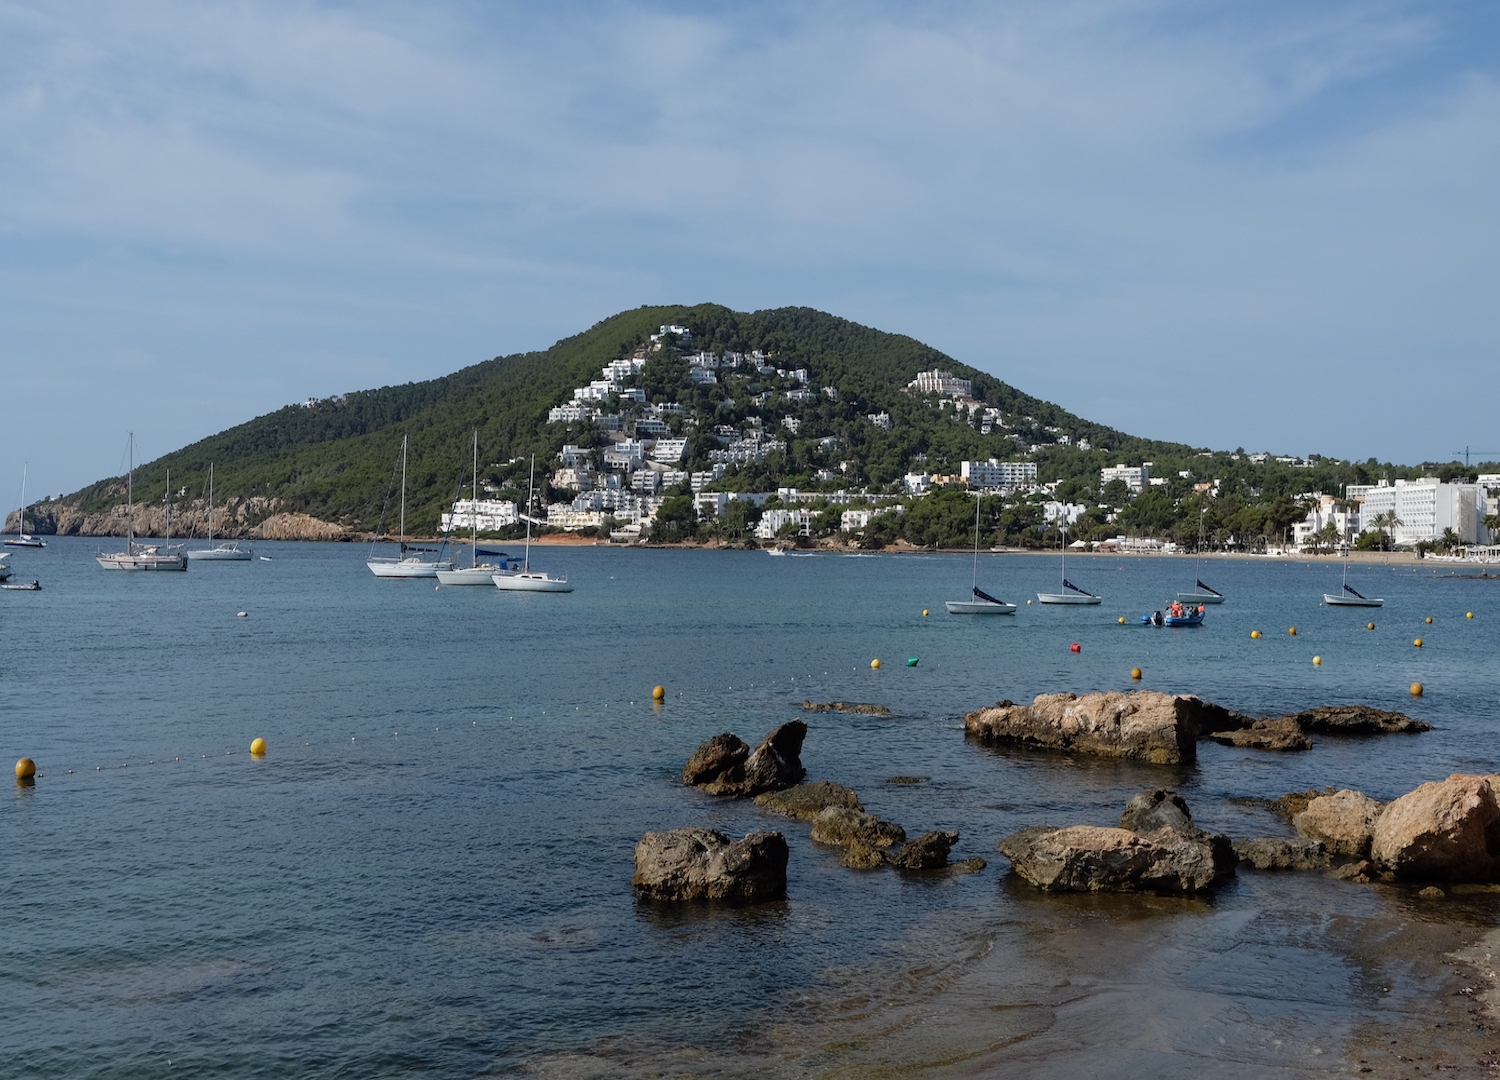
(25, 542)
(978, 607)
(530, 583)
(1333, 600)
(407, 568)
(124, 561)
(1199, 598)
(1068, 598)
(469, 575)
(219, 554)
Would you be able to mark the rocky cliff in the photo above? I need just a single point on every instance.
(240, 519)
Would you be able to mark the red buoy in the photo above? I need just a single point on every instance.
(1075, 647)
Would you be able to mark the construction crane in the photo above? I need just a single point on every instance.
(1482, 454)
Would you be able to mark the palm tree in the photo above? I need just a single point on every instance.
(1450, 541)
(1492, 523)
(1386, 523)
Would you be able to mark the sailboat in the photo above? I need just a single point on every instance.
(526, 579)
(1071, 593)
(983, 603)
(1348, 596)
(21, 539)
(1205, 594)
(403, 565)
(476, 573)
(142, 556)
(229, 551)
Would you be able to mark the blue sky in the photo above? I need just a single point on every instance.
(1265, 225)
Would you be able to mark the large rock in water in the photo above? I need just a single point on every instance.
(807, 801)
(1343, 821)
(702, 864)
(1282, 733)
(1355, 720)
(1090, 858)
(726, 766)
(1142, 725)
(927, 852)
(1278, 853)
(1447, 830)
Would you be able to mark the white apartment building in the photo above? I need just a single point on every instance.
(1327, 510)
(669, 451)
(1425, 508)
(571, 414)
(1055, 512)
(773, 521)
(650, 427)
(941, 382)
(881, 420)
(995, 474)
(573, 457)
(573, 479)
(1135, 477)
(626, 454)
(487, 515)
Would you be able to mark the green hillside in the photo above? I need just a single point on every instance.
(333, 459)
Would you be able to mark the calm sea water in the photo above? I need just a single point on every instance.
(429, 872)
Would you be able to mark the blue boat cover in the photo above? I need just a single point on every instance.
(986, 596)
(1350, 590)
(1069, 585)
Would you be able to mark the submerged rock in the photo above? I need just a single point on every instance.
(725, 766)
(1447, 830)
(1344, 821)
(839, 826)
(1282, 733)
(927, 852)
(1355, 720)
(703, 864)
(845, 706)
(1090, 858)
(1277, 853)
(806, 801)
(1142, 725)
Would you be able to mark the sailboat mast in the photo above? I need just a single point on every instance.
(474, 509)
(403, 494)
(21, 529)
(130, 499)
(210, 503)
(530, 495)
(976, 539)
(166, 499)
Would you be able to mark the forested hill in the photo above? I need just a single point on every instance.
(333, 459)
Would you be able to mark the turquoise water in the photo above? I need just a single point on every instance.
(429, 872)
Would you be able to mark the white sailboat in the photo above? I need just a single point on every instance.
(476, 573)
(22, 539)
(230, 550)
(142, 556)
(526, 579)
(1348, 596)
(403, 565)
(1071, 593)
(982, 603)
(1204, 594)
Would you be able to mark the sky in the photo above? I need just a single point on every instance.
(1273, 226)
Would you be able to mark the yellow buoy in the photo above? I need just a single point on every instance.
(659, 693)
(25, 769)
(1292, 630)
(1135, 673)
(1122, 620)
(875, 663)
(1429, 620)
(1028, 603)
(258, 746)
(1317, 661)
(1417, 642)
(1255, 634)
(924, 613)
(1470, 615)
(1416, 689)
(1369, 626)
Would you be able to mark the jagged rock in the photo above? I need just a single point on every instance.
(703, 864)
(1142, 725)
(1213, 719)
(806, 801)
(719, 756)
(1275, 853)
(1357, 872)
(1432, 892)
(927, 852)
(1447, 830)
(859, 856)
(1282, 733)
(839, 826)
(1159, 809)
(1344, 821)
(968, 866)
(720, 766)
(845, 706)
(1089, 858)
(1355, 720)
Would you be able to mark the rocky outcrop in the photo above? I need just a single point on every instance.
(1159, 809)
(726, 766)
(807, 801)
(236, 519)
(1142, 725)
(1447, 830)
(1343, 821)
(702, 864)
(1091, 858)
(927, 852)
(1282, 733)
(1277, 853)
(864, 838)
(1355, 720)
(298, 527)
(845, 706)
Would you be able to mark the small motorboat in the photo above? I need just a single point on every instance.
(29, 586)
(1175, 616)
